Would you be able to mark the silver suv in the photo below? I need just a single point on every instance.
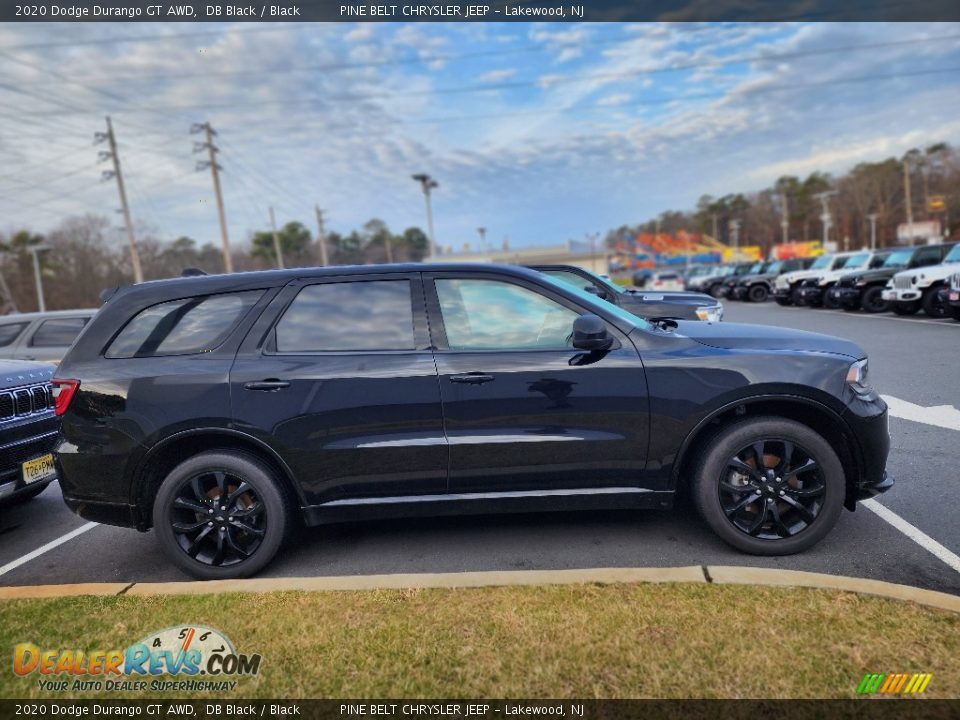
(44, 336)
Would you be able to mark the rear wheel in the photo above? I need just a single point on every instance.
(758, 293)
(932, 305)
(221, 514)
(769, 486)
(873, 301)
(906, 308)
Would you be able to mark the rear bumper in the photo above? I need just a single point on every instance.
(107, 513)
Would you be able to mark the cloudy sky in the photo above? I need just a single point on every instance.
(539, 132)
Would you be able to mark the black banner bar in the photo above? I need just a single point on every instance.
(477, 10)
(882, 709)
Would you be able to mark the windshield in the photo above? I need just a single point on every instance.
(573, 279)
(774, 267)
(755, 269)
(822, 262)
(592, 300)
(953, 256)
(898, 259)
(856, 261)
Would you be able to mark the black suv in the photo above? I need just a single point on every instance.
(221, 409)
(757, 287)
(647, 304)
(28, 429)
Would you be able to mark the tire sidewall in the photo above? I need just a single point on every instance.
(267, 489)
(870, 307)
(758, 293)
(932, 307)
(722, 446)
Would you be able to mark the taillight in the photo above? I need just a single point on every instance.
(63, 392)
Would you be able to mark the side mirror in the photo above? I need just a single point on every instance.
(590, 333)
(594, 290)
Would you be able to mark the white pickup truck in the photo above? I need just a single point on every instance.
(909, 290)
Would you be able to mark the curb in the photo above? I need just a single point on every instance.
(716, 574)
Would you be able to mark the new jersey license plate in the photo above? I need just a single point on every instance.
(38, 469)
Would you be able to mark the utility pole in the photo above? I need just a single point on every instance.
(107, 174)
(428, 184)
(321, 237)
(735, 233)
(276, 240)
(215, 169)
(825, 218)
(908, 200)
(7, 303)
(482, 231)
(784, 218)
(872, 217)
(715, 227)
(35, 250)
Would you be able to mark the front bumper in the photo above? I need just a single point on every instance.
(810, 295)
(950, 297)
(844, 295)
(896, 295)
(867, 419)
(781, 292)
(869, 490)
(739, 292)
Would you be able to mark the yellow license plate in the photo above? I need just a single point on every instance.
(38, 469)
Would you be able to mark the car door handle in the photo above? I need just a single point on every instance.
(471, 378)
(267, 385)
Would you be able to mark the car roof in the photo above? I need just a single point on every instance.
(23, 317)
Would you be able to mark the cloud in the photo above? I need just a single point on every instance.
(497, 75)
(614, 100)
(360, 33)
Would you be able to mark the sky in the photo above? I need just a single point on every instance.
(538, 132)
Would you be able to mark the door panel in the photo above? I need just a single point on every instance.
(535, 418)
(350, 423)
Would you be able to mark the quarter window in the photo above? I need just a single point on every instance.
(10, 332)
(183, 327)
(360, 315)
(57, 332)
(494, 315)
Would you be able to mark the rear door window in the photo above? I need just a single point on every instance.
(358, 315)
(10, 332)
(183, 327)
(58, 332)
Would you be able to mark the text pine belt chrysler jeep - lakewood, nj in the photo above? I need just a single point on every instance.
(220, 410)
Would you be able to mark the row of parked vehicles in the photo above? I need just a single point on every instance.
(900, 280)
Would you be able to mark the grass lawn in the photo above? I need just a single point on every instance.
(572, 641)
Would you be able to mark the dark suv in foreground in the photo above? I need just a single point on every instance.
(221, 410)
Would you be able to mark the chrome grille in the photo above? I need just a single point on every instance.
(902, 283)
(25, 401)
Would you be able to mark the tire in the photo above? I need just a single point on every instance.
(955, 313)
(713, 502)
(905, 308)
(758, 293)
(273, 521)
(828, 302)
(716, 290)
(872, 300)
(795, 296)
(784, 301)
(931, 305)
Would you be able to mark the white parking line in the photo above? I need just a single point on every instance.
(13, 565)
(915, 534)
(944, 416)
(869, 316)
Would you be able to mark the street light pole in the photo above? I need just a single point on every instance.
(35, 250)
(482, 231)
(825, 218)
(427, 183)
(872, 217)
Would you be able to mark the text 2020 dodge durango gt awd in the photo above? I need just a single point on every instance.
(220, 410)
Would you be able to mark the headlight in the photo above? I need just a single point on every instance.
(857, 377)
(710, 313)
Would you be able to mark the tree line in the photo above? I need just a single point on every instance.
(83, 257)
(868, 188)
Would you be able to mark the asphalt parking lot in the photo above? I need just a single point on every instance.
(914, 362)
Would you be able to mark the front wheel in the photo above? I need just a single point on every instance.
(873, 301)
(221, 515)
(758, 293)
(828, 302)
(932, 305)
(716, 290)
(769, 486)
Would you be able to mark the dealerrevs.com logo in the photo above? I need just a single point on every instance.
(200, 658)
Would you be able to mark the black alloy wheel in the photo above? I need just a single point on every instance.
(716, 290)
(932, 305)
(768, 485)
(758, 293)
(829, 302)
(221, 514)
(771, 489)
(873, 301)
